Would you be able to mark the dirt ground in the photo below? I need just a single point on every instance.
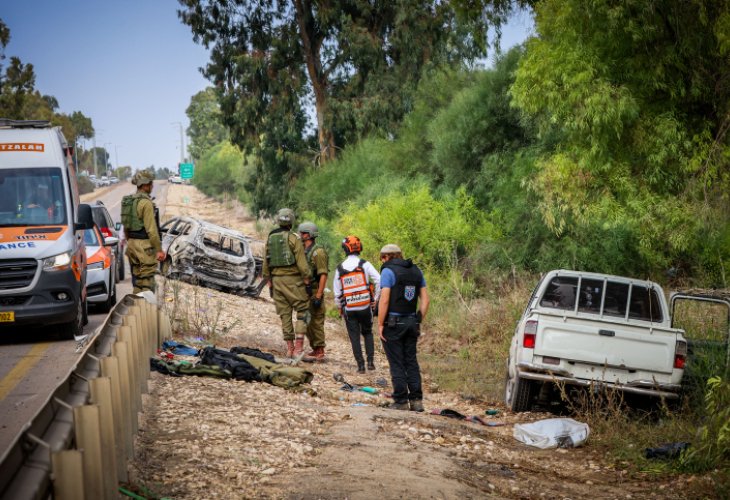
(208, 438)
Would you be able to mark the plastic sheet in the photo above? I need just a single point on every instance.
(552, 433)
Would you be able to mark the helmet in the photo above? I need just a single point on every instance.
(352, 244)
(142, 177)
(310, 228)
(285, 217)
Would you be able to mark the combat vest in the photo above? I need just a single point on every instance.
(309, 253)
(357, 293)
(279, 253)
(133, 224)
(404, 293)
(130, 217)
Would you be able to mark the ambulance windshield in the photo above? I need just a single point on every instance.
(32, 197)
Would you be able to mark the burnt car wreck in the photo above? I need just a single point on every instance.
(209, 255)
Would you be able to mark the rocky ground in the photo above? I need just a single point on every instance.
(208, 438)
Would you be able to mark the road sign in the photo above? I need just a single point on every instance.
(186, 170)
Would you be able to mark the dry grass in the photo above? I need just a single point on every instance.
(469, 339)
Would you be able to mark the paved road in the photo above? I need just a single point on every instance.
(35, 361)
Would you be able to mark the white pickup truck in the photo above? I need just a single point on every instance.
(587, 329)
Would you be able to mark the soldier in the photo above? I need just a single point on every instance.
(141, 229)
(286, 270)
(318, 261)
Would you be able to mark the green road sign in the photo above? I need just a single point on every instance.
(186, 170)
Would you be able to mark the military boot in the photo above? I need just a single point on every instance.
(316, 354)
(298, 346)
(289, 348)
(360, 366)
(416, 404)
(371, 365)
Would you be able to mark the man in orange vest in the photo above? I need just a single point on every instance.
(356, 287)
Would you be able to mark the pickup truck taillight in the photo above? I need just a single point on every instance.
(529, 334)
(680, 354)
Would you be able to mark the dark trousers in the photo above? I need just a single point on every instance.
(401, 350)
(360, 323)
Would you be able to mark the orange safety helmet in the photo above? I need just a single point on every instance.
(352, 244)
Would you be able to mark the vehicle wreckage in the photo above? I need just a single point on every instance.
(213, 256)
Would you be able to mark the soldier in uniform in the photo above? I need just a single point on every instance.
(286, 270)
(318, 261)
(140, 221)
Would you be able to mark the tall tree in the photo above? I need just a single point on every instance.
(356, 58)
(639, 92)
(206, 123)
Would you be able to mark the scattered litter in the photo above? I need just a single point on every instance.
(369, 390)
(552, 433)
(666, 451)
(360, 404)
(448, 412)
(492, 412)
(178, 348)
(381, 382)
(345, 385)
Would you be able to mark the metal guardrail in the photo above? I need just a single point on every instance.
(78, 444)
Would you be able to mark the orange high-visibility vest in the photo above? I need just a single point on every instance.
(357, 292)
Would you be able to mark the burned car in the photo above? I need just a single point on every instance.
(209, 255)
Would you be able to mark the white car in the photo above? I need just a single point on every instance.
(101, 270)
(175, 179)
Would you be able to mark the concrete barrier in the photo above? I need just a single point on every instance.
(78, 445)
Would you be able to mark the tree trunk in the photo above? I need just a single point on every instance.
(311, 43)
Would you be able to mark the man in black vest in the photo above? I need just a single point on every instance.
(403, 305)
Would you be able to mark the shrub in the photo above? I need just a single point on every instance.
(711, 447)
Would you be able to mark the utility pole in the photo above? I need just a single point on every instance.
(106, 160)
(116, 156)
(182, 142)
(94, 155)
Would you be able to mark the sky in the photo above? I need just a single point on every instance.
(131, 66)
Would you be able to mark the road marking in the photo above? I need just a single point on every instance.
(20, 370)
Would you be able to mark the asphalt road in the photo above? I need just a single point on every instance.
(33, 362)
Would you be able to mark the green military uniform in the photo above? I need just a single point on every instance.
(143, 238)
(318, 261)
(286, 266)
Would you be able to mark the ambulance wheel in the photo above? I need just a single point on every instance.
(75, 328)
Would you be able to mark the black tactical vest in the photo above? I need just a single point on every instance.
(404, 294)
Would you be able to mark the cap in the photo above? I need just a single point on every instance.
(390, 248)
(142, 177)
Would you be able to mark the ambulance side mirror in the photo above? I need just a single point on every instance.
(85, 219)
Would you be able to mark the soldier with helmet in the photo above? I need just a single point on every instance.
(356, 286)
(140, 219)
(286, 270)
(318, 261)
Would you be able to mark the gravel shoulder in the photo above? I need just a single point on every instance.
(208, 438)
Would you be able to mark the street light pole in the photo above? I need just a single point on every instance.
(182, 141)
(106, 154)
(116, 155)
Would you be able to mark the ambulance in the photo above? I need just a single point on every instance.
(42, 223)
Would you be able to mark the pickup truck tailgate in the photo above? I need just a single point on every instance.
(617, 345)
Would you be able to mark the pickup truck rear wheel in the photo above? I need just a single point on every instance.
(520, 393)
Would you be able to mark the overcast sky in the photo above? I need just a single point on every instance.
(131, 66)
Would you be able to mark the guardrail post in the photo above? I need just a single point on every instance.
(121, 351)
(67, 475)
(101, 395)
(88, 440)
(135, 322)
(110, 368)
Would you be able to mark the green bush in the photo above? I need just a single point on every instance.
(219, 171)
(711, 449)
(85, 184)
(436, 233)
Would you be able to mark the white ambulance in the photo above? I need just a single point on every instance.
(42, 258)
